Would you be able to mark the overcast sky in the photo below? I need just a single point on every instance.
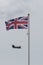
(14, 8)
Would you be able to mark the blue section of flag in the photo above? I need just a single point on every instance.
(11, 20)
(12, 27)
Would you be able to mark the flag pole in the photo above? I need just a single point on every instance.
(28, 39)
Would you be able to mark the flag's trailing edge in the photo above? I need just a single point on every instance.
(17, 23)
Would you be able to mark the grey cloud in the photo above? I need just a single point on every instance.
(12, 8)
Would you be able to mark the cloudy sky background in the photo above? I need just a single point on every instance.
(13, 8)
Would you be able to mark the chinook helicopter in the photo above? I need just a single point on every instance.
(17, 47)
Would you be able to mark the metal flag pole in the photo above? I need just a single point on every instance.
(28, 39)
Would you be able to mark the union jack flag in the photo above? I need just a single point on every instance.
(17, 23)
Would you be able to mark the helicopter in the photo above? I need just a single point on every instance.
(17, 47)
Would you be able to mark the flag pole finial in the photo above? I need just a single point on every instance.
(28, 14)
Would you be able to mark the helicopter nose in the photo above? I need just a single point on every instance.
(13, 46)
